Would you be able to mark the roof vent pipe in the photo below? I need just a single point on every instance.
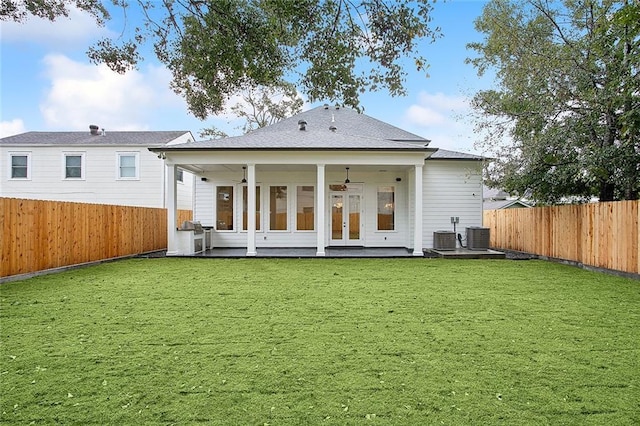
(333, 128)
(104, 133)
(302, 125)
(93, 129)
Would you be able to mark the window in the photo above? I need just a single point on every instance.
(245, 207)
(180, 175)
(305, 202)
(128, 166)
(224, 208)
(386, 208)
(278, 208)
(73, 166)
(20, 166)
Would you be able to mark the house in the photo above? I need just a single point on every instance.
(323, 178)
(91, 167)
(496, 199)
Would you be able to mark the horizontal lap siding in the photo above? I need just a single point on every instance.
(39, 235)
(603, 235)
(451, 188)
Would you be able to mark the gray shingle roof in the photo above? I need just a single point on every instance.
(145, 138)
(351, 131)
(443, 154)
(346, 121)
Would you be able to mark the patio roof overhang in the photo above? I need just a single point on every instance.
(212, 160)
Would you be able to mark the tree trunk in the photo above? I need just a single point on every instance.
(607, 190)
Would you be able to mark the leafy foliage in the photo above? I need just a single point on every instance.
(20, 10)
(568, 97)
(330, 49)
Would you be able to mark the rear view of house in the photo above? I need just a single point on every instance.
(327, 177)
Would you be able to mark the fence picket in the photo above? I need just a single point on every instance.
(604, 235)
(39, 235)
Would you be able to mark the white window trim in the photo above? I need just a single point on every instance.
(82, 156)
(20, 154)
(268, 198)
(395, 211)
(120, 154)
(315, 210)
(241, 208)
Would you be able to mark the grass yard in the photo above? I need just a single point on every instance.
(321, 341)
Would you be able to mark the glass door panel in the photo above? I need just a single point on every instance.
(337, 204)
(354, 217)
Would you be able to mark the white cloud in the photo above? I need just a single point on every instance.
(75, 30)
(10, 128)
(444, 119)
(81, 94)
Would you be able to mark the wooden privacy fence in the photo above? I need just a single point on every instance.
(603, 235)
(38, 235)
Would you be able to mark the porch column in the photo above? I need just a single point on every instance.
(172, 211)
(320, 210)
(251, 210)
(417, 220)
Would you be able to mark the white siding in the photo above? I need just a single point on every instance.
(100, 183)
(451, 188)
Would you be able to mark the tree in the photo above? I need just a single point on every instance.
(330, 49)
(261, 107)
(568, 97)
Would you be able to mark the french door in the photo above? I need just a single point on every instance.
(346, 219)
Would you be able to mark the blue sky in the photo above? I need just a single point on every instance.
(48, 84)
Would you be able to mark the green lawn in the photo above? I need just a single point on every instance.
(321, 341)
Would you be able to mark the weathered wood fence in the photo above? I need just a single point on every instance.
(603, 235)
(38, 235)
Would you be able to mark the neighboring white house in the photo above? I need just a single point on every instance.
(91, 167)
(323, 178)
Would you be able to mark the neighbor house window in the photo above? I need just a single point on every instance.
(278, 208)
(305, 202)
(73, 166)
(245, 207)
(224, 208)
(128, 165)
(20, 165)
(386, 208)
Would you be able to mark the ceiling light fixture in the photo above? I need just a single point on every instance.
(347, 179)
(244, 174)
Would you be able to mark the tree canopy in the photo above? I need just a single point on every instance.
(567, 97)
(329, 49)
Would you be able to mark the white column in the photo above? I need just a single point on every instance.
(320, 210)
(251, 210)
(172, 211)
(417, 219)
